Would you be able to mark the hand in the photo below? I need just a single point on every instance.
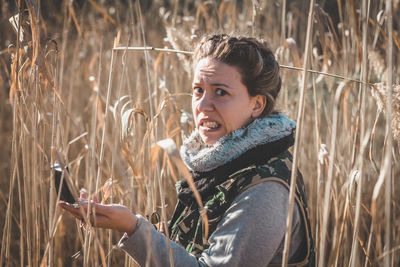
(109, 216)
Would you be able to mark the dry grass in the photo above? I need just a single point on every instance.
(105, 111)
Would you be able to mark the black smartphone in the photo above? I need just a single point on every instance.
(65, 193)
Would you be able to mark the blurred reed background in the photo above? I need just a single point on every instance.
(117, 117)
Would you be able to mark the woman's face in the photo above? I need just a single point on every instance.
(221, 103)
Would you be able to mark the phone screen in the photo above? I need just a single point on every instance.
(65, 193)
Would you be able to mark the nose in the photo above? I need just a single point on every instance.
(205, 103)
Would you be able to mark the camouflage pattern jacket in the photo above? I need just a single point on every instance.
(219, 187)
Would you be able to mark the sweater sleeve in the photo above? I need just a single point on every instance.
(251, 233)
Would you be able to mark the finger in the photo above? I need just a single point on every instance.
(95, 199)
(83, 193)
(97, 208)
(94, 206)
(89, 208)
(93, 211)
(74, 210)
(80, 213)
(79, 210)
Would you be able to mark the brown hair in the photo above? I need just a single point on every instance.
(254, 60)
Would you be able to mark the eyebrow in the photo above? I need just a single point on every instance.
(221, 84)
(215, 84)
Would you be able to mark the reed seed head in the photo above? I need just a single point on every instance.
(379, 92)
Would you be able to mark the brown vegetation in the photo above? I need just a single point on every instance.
(112, 114)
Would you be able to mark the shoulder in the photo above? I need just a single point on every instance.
(276, 169)
(256, 215)
(267, 197)
(279, 166)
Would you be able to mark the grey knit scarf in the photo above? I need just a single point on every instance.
(200, 157)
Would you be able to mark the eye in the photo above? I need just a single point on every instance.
(198, 90)
(221, 92)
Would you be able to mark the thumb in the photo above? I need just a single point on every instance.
(83, 193)
(95, 199)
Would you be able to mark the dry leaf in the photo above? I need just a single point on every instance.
(106, 188)
(169, 146)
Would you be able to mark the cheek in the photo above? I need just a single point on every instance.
(194, 112)
(238, 117)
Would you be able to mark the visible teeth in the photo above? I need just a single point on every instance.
(210, 124)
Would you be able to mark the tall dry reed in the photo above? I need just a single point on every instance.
(117, 112)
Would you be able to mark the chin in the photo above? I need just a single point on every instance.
(211, 137)
(208, 140)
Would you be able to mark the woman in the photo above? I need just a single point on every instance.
(241, 167)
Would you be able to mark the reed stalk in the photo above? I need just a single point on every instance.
(114, 152)
(283, 22)
(153, 131)
(389, 140)
(55, 103)
(299, 123)
(7, 230)
(6, 240)
(319, 171)
(328, 185)
(365, 16)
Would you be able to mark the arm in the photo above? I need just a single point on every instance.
(146, 236)
(108, 216)
(120, 218)
(251, 233)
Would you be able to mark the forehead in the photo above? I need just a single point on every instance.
(208, 68)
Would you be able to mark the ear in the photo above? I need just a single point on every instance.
(260, 101)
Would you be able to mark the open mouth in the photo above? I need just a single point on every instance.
(209, 126)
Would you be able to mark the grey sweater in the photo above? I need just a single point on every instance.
(251, 233)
